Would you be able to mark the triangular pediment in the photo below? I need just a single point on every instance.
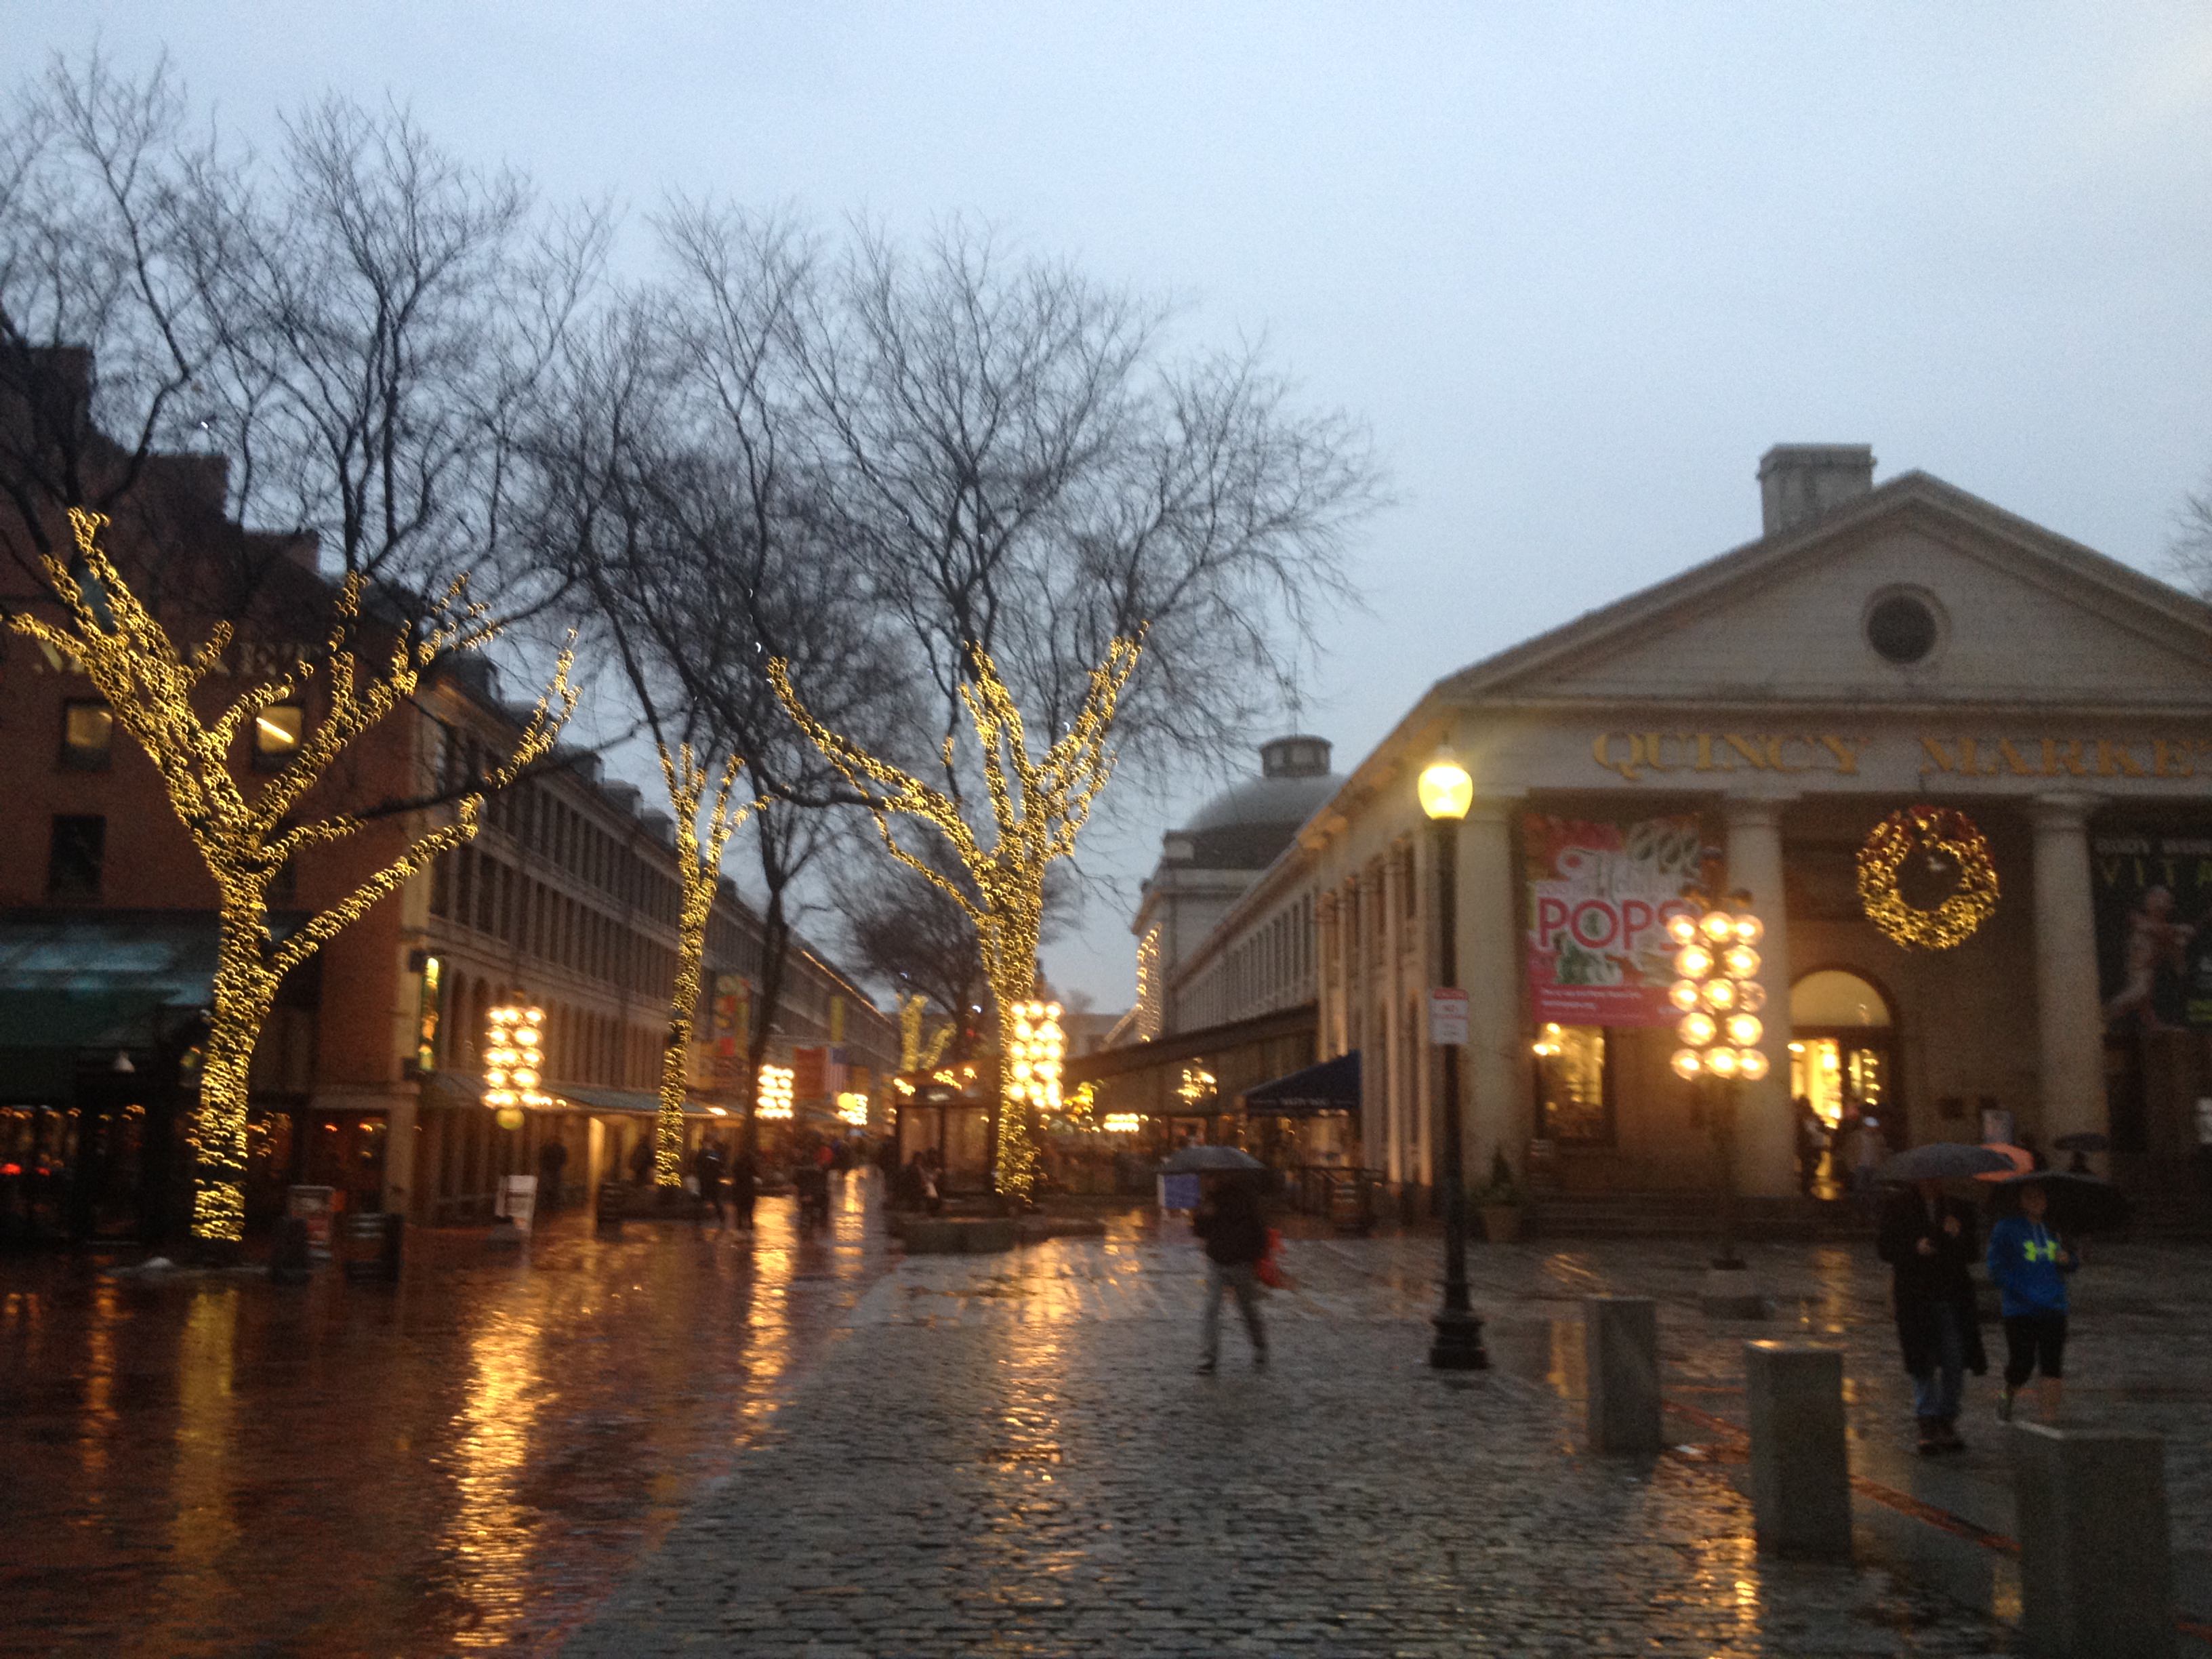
(2024, 618)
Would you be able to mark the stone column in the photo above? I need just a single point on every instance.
(1495, 1088)
(1767, 1149)
(2069, 1021)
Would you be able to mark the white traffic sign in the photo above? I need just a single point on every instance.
(1448, 1019)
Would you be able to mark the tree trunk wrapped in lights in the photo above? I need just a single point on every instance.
(701, 858)
(245, 837)
(1037, 809)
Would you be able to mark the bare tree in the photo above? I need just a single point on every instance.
(2189, 555)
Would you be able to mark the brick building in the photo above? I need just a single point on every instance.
(367, 1076)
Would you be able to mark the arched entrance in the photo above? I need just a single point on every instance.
(1842, 1045)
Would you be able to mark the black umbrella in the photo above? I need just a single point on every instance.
(2079, 1203)
(1942, 1160)
(2083, 1140)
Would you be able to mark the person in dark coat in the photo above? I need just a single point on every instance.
(745, 1188)
(1929, 1242)
(707, 1170)
(1229, 1219)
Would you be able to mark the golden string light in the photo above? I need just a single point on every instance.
(772, 1093)
(1038, 806)
(1121, 1123)
(699, 858)
(245, 838)
(1718, 993)
(1944, 836)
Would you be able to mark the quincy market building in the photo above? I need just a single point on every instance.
(1751, 720)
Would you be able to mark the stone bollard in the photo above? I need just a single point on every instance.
(1620, 1348)
(2096, 1559)
(1801, 1485)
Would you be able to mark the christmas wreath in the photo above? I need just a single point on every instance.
(1936, 847)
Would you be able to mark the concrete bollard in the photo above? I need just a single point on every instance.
(2096, 1558)
(1801, 1482)
(1621, 1348)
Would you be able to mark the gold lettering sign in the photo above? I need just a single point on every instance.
(1637, 756)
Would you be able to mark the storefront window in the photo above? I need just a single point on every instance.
(1574, 1084)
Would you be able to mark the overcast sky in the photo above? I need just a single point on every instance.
(1577, 266)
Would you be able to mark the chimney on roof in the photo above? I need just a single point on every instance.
(1800, 483)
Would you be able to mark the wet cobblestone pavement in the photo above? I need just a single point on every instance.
(463, 1463)
(1013, 1456)
(670, 1443)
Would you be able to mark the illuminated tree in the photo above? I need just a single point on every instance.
(1037, 807)
(247, 835)
(701, 856)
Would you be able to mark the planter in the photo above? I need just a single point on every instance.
(1501, 1223)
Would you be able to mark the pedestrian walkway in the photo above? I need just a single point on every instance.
(1011, 1454)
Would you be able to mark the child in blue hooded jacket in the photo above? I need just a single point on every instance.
(2029, 1266)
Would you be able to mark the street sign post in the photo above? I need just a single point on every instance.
(1448, 1018)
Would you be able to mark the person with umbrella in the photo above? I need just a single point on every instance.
(1929, 1242)
(1230, 1220)
(2029, 1264)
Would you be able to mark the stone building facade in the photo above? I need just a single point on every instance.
(1748, 723)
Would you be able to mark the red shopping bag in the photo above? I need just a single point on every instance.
(1270, 1271)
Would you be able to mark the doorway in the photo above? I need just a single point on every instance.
(1843, 1050)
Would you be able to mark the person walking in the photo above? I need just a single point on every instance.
(707, 1170)
(1929, 1242)
(744, 1189)
(2029, 1264)
(1229, 1219)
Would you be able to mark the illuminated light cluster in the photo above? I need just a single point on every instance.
(1034, 1055)
(1198, 1084)
(246, 838)
(772, 1096)
(1717, 994)
(1038, 808)
(514, 1061)
(852, 1109)
(1079, 1106)
(1944, 836)
(1547, 1045)
(1122, 1123)
(699, 857)
(1150, 1010)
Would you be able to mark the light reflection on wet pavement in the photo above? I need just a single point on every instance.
(465, 1462)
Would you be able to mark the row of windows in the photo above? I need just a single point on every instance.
(494, 898)
(1270, 968)
(535, 817)
(88, 737)
(76, 861)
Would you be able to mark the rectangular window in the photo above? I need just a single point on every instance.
(441, 884)
(88, 733)
(277, 736)
(1574, 1084)
(427, 1008)
(75, 857)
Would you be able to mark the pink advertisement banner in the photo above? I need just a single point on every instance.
(1600, 895)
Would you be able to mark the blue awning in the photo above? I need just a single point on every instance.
(1331, 1086)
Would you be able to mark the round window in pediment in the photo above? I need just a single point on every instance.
(1903, 627)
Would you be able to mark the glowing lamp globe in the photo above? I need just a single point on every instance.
(1717, 927)
(1742, 962)
(1684, 994)
(1722, 1062)
(1748, 929)
(1750, 995)
(1744, 1030)
(1719, 994)
(1751, 1064)
(1445, 789)
(1682, 928)
(1697, 1029)
(1693, 962)
(1688, 1062)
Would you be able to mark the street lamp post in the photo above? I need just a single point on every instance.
(1446, 792)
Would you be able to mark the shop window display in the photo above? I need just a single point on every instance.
(1574, 1083)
